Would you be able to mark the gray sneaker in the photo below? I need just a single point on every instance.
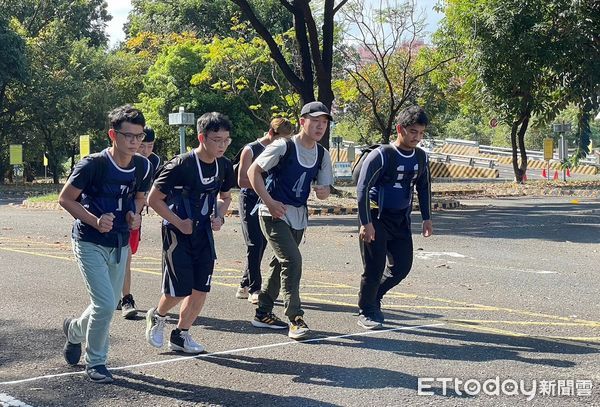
(155, 328)
(71, 351)
(367, 322)
(128, 307)
(99, 374)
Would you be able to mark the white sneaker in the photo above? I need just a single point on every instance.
(242, 293)
(253, 298)
(155, 328)
(184, 343)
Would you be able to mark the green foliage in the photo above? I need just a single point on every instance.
(204, 18)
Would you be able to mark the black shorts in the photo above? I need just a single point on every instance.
(188, 261)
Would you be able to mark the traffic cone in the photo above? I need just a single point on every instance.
(544, 173)
(568, 172)
(555, 175)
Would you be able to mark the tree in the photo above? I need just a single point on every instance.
(243, 69)
(204, 18)
(383, 62)
(315, 49)
(506, 42)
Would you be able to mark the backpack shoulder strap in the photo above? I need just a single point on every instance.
(421, 161)
(141, 169)
(389, 169)
(100, 167)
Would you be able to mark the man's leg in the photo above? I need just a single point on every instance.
(270, 292)
(102, 282)
(373, 257)
(191, 306)
(256, 249)
(400, 259)
(242, 292)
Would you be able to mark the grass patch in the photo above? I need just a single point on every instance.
(52, 198)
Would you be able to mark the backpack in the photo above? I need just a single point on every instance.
(290, 148)
(187, 192)
(389, 173)
(101, 167)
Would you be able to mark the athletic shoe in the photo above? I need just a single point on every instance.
(298, 328)
(241, 293)
(155, 328)
(119, 306)
(71, 351)
(99, 374)
(183, 342)
(368, 322)
(269, 320)
(128, 307)
(378, 316)
(253, 298)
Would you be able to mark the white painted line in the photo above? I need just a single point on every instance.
(9, 401)
(229, 352)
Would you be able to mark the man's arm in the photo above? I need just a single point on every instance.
(324, 177)
(68, 200)
(156, 200)
(276, 208)
(245, 161)
(423, 187)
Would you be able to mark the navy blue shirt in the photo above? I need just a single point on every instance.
(186, 177)
(394, 197)
(155, 161)
(114, 194)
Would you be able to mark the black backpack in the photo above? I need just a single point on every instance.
(389, 151)
(101, 167)
(187, 193)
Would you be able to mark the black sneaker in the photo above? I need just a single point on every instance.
(128, 307)
(119, 306)
(99, 374)
(71, 351)
(183, 342)
(269, 320)
(298, 328)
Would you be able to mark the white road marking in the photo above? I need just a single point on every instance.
(9, 401)
(420, 254)
(228, 352)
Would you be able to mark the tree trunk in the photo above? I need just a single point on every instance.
(517, 138)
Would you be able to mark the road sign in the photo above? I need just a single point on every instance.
(342, 170)
(548, 149)
(84, 146)
(181, 119)
(493, 122)
(45, 160)
(16, 154)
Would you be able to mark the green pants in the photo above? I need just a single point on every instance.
(285, 267)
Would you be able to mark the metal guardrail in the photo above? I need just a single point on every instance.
(470, 160)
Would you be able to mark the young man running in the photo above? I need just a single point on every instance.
(385, 192)
(191, 193)
(256, 243)
(127, 303)
(292, 164)
(105, 194)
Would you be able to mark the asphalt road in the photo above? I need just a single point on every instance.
(506, 290)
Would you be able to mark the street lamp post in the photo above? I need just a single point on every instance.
(181, 119)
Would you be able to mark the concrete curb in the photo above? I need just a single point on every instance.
(337, 210)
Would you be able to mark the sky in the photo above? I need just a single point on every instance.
(119, 9)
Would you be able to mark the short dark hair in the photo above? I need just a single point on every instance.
(412, 115)
(125, 114)
(213, 121)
